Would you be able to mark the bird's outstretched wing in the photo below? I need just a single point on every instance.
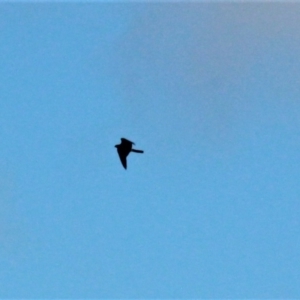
(123, 158)
(125, 141)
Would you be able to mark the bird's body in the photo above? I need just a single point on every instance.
(124, 149)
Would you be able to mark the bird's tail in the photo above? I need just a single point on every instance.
(137, 151)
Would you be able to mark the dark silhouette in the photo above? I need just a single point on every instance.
(124, 149)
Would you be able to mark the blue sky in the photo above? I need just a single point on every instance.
(210, 92)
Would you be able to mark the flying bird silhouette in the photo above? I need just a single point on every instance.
(124, 149)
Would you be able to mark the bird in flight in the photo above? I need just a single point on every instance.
(124, 149)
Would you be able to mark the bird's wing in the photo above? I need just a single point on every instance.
(123, 158)
(125, 141)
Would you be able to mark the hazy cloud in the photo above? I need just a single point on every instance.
(210, 65)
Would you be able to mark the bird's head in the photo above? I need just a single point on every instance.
(117, 146)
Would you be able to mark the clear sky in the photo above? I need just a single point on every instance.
(210, 92)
